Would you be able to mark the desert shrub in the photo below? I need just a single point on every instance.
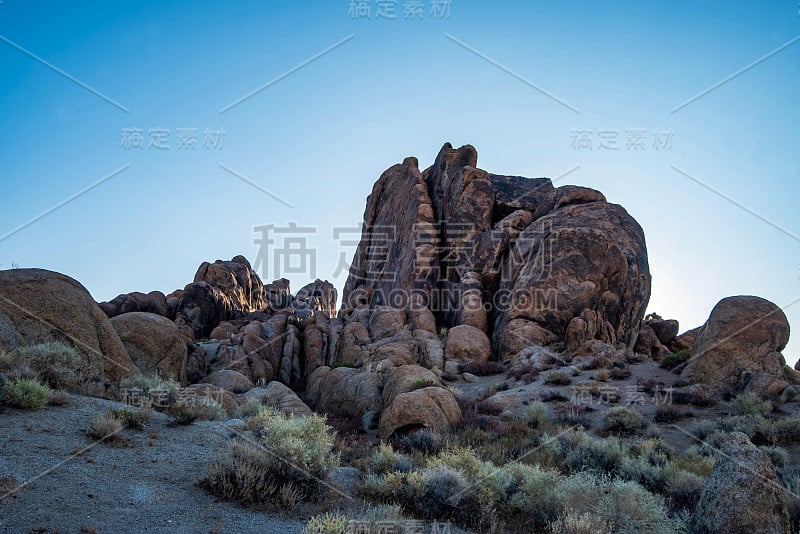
(602, 375)
(58, 397)
(25, 393)
(248, 409)
(482, 368)
(750, 404)
(747, 424)
(582, 452)
(620, 373)
(644, 472)
(187, 411)
(292, 456)
(448, 495)
(424, 441)
(531, 502)
(131, 417)
(552, 395)
(779, 456)
(557, 378)
(668, 413)
(153, 390)
(672, 361)
(585, 523)
(349, 365)
(696, 397)
(790, 480)
(386, 460)
(105, 426)
(536, 415)
(392, 488)
(629, 506)
(683, 488)
(695, 461)
(622, 420)
(327, 523)
(56, 364)
(304, 445)
(244, 472)
(785, 431)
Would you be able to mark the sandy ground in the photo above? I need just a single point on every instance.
(145, 484)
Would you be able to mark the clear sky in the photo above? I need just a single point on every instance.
(295, 109)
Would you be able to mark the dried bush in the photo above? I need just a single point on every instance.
(25, 393)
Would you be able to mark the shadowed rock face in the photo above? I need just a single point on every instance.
(505, 254)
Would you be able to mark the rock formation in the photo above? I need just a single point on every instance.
(738, 348)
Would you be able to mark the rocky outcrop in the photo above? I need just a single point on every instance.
(743, 494)
(154, 343)
(430, 407)
(513, 257)
(221, 291)
(153, 302)
(37, 306)
(738, 348)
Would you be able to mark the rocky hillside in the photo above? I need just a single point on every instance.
(471, 298)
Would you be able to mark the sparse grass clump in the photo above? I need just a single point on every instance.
(248, 409)
(187, 411)
(557, 378)
(25, 393)
(622, 420)
(53, 364)
(327, 523)
(585, 523)
(135, 418)
(785, 431)
(672, 361)
(58, 398)
(105, 426)
(386, 460)
(153, 390)
(423, 383)
(424, 441)
(750, 404)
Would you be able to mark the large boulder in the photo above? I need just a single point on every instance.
(229, 380)
(37, 306)
(429, 407)
(154, 343)
(346, 392)
(743, 494)
(738, 348)
(467, 344)
(280, 397)
(586, 256)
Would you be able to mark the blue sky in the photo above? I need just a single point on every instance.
(318, 138)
